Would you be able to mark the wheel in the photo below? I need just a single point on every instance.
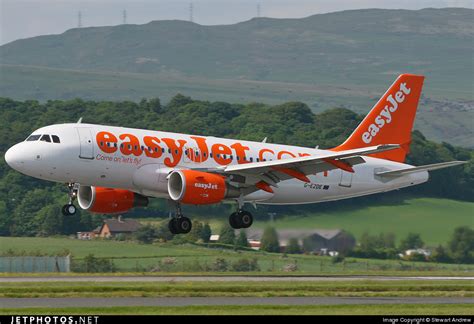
(173, 226)
(234, 221)
(245, 219)
(69, 210)
(184, 225)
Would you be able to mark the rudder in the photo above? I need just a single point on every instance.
(390, 121)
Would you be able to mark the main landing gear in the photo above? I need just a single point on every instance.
(69, 209)
(179, 224)
(240, 219)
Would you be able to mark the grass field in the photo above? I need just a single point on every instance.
(400, 309)
(133, 257)
(434, 219)
(363, 288)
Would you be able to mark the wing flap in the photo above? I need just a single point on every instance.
(298, 162)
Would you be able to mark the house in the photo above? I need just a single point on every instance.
(214, 238)
(315, 240)
(114, 226)
(89, 235)
(424, 252)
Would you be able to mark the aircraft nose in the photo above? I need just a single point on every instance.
(13, 157)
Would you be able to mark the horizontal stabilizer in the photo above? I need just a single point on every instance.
(428, 167)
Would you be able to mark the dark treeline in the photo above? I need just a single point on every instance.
(31, 207)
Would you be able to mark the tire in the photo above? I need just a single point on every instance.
(234, 221)
(184, 225)
(69, 210)
(245, 219)
(173, 226)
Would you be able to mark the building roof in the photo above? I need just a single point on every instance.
(286, 235)
(122, 225)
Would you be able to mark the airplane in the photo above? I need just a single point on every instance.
(110, 170)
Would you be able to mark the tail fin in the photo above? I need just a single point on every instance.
(390, 121)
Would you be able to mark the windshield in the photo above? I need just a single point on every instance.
(32, 138)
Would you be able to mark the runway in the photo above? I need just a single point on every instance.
(222, 301)
(219, 278)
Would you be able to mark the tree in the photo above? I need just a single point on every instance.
(270, 241)
(461, 245)
(388, 240)
(206, 233)
(242, 239)
(412, 241)
(163, 233)
(50, 219)
(440, 255)
(195, 234)
(227, 235)
(293, 246)
(146, 234)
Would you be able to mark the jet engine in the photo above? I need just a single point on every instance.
(199, 188)
(108, 200)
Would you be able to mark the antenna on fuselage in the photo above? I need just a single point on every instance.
(79, 121)
(264, 140)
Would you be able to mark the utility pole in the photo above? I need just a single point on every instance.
(124, 16)
(258, 10)
(191, 9)
(79, 19)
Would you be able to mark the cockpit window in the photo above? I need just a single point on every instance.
(55, 139)
(45, 138)
(32, 138)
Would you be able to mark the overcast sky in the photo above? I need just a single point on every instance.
(27, 18)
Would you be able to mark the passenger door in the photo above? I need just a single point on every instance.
(87, 146)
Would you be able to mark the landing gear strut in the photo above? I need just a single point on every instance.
(179, 224)
(69, 209)
(240, 219)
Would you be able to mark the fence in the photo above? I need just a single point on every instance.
(265, 263)
(35, 264)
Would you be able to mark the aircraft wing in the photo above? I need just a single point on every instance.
(262, 175)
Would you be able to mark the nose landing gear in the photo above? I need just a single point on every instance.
(70, 209)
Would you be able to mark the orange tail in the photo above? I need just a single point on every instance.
(390, 121)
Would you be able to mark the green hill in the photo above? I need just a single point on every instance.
(338, 59)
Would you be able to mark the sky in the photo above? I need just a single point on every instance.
(28, 18)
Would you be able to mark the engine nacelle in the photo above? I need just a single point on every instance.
(199, 188)
(108, 200)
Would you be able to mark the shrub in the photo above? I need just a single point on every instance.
(245, 264)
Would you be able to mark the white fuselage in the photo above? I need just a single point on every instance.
(140, 160)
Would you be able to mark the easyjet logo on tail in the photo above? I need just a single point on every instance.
(386, 114)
